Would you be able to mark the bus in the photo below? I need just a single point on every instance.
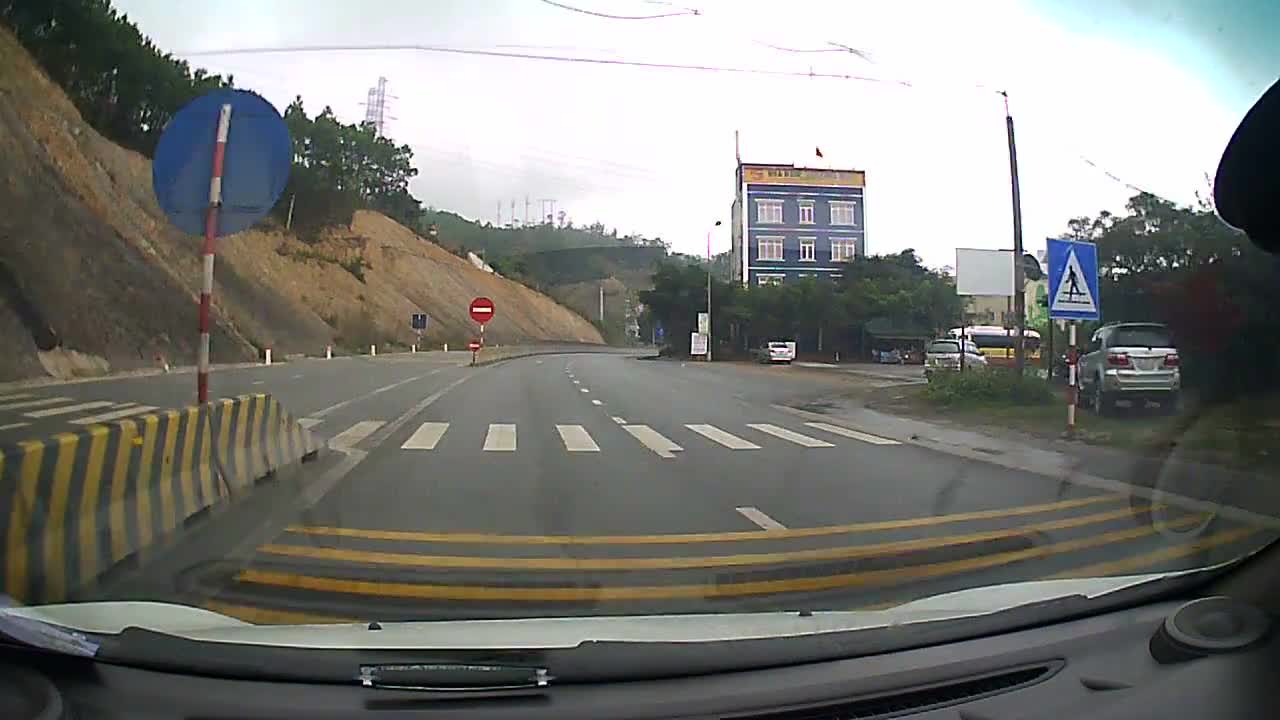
(997, 344)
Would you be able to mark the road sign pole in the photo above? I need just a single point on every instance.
(206, 253)
(1073, 377)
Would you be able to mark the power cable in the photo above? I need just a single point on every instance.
(688, 11)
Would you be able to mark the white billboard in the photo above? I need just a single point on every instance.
(697, 344)
(984, 272)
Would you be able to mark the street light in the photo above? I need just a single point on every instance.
(709, 289)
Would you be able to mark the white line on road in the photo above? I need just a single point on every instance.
(759, 518)
(596, 402)
(653, 440)
(575, 382)
(789, 436)
(257, 382)
(34, 403)
(501, 438)
(14, 426)
(14, 396)
(68, 409)
(344, 403)
(113, 415)
(352, 436)
(537, 362)
(620, 421)
(426, 436)
(297, 377)
(576, 439)
(846, 432)
(733, 442)
(583, 390)
(309, 423)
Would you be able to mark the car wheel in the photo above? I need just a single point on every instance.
(1102, 402)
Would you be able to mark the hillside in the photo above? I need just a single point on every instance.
(93, 278)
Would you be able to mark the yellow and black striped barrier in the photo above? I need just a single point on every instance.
(75, 505)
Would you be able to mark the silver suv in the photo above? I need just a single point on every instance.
(1130, 361)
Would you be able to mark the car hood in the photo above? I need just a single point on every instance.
(106, 618)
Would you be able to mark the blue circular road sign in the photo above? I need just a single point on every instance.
(254, 171)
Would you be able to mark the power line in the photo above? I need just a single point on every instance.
(535, 56)
(687, 11)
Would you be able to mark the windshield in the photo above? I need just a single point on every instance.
(1142, 336)
(450, 310)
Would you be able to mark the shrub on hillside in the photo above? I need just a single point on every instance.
(992, 386)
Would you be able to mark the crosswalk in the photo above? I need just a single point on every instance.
(20, 410)
(575, 438)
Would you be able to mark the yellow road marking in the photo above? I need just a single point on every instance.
(89, 501)
(1145, 560)
(241, 450)
(257, 461)
(55, 558)
(206, 455)
(497, 539)
(672, 592)
(682, 563)
(264, 616)
(272, 427)
(24, 503)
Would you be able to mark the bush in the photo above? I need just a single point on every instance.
(993, 386)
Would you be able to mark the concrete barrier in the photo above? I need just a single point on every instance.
(77, 504)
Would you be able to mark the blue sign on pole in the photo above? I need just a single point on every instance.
(1073, 280)
(254, 171)
(418, 321)
(659, 332)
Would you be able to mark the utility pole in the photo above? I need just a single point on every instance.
(602, 305)
(499, 213)
(526, 209)
(513, 212)
(1019, 294)
(709, 290)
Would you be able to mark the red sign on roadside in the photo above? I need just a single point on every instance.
(482, 310)
(474, 345)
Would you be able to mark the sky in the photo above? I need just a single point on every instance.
(1107, 96)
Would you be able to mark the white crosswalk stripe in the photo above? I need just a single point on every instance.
(789, 436)
(501, 438)
(653, 440)
(577, 439)
(14, 426)
(14, 396)
(309, 423)
(68, 409)
(426, 437)
(854, 434)
(352, 436)
(113, 415)
(715, 434)
(34, 403)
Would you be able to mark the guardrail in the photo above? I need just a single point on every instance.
(77, 504)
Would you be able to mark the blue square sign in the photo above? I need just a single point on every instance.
(1073, 280)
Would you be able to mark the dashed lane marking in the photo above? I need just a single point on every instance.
(68, 409)
(577, 439)
(597, 402)
(113, 415)
(500, 438)
(757, 516)
(34, 403)
(14, 426)
(620, 421)
(426, 437)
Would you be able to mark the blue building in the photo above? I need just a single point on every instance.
(790, 222)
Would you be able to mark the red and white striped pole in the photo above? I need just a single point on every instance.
(206, 253)
(1073, 377)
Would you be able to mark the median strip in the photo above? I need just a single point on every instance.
(702, 591)
(680, 538)
(1146, 560)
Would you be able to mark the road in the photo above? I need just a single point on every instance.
(605, 484)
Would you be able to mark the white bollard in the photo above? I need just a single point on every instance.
(373, 349)
(267, 360)
(446, 347)
(328, 352)
(413, 349)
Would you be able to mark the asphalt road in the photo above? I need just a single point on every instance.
(604, 484)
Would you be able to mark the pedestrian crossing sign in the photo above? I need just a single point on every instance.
(1073, 280)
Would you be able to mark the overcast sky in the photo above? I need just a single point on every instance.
(1149, 91)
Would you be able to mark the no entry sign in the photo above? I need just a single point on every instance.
(482, 310)
(474, 345)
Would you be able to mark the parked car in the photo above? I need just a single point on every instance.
(943, 355)
(1130, 361)
(775, 351)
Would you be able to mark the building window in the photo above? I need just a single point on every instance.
(763, 280)
(769, 211)
(842, 212)
(806, 249)
(806, 212)
(769, 248)
(843, 249)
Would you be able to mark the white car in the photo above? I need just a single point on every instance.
(776, 351)
(943, 355)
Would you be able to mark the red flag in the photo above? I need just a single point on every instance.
(818, 150)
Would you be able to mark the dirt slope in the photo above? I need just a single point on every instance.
(92, 277)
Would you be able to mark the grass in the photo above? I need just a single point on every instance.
(1239, 434)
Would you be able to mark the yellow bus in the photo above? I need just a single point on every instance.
(997, 344)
